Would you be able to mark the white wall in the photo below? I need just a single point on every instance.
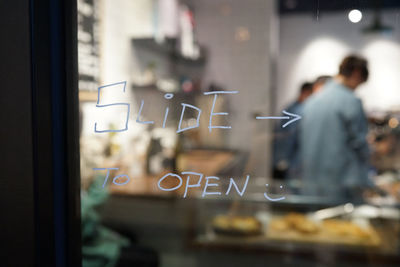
(309, 48)
(123, 20)
(241, 65)
(120, 21)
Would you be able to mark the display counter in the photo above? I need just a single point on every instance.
(298, 225)
(250, 223)
(295, 227)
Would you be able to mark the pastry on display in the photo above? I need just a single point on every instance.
(236, 225)
(297, 227)
(296, 222)
(301, 223)
(345, 228)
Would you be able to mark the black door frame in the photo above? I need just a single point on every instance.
(56, 131)
(40, 174)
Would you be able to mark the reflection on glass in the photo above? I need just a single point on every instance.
(192, 150)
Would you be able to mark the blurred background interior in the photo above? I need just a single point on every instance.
(267, 50)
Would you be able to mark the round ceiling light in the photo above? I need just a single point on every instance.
(355, 15)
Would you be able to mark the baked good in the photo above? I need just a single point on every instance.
(236, 225)
(345, 228)
(295, 221)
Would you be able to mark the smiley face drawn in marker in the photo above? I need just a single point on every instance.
(273, 199)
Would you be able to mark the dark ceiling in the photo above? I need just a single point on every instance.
(305, 6)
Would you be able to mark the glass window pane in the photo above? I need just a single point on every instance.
(239, 133)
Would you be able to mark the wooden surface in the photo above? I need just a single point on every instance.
(88, 96)
(207, 162)
(324, 237)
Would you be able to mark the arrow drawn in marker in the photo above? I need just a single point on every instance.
(290, 116)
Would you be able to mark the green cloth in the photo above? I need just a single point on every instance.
(101, 246)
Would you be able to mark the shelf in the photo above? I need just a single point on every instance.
(87, 96)
(168, 48)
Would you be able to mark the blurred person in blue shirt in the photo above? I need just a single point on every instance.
(334, 148)
(286, 160)
(320, 82)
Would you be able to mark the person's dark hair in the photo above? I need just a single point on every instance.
(306, 87)
(322, 79)
(352, 63)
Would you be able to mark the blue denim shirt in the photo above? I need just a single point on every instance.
(286, 143)
(334, 149)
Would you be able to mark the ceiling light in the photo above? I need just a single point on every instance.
(355, 16)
